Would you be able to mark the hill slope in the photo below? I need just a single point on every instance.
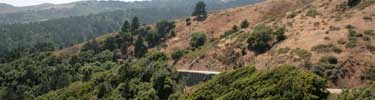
(71, 30)
(315, 30)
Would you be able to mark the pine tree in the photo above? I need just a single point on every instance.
(140, 48)
(125, 27)
(135, 24)
(200, 11)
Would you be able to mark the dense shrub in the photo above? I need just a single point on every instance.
(329, 68)
(312, 12)
(302, 53)
(352, 3)
(323, 48)
(261, 36)
(282, 83)
(367, 93)
(176, 55)
(244, 24)
(197, 39)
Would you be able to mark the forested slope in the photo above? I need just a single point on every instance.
(65, 32)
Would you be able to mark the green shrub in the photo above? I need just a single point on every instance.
(176, 55)
(366, 93)
(282, 83)
(367, 18)
(329, 71)
(352, 43)
(197, 39)
(291, 14)
(244, 24)
(302, 53)
(329, 59)
(352, 3)
(341, 41)
(312, 12)
(369, 74)
(283, 50)
(370, 32)
(261, 36)
(322, 48)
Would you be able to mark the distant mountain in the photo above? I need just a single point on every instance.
(53, 24)
(50, 11)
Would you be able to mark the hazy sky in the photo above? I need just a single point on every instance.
(35, 2)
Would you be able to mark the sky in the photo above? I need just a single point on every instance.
(35, 2)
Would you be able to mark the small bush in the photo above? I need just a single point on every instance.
(188, 22)
(244, 24)
(330, 71)
(312, 12)
(329, 60)
(302, 53)
(176, 55)
(291, 14)
(369, 74)
(321, 48)
(259, 40)
(352, 3)
(370, 32)
(352, 43)
(341, 41)
(283, 50)
(197, 39)
(367, 18)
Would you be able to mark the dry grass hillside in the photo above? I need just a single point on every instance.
(314, 28)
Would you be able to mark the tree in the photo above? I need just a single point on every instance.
(92, 45)
(258, 40)
(125, 27)
(197, 39)
(135, 24)
(263, 38)
(176, 55)
(140, 48)
(110, 43)
(244, 24)
(164, 27)
(200, 11)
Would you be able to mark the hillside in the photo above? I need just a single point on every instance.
(276, 49)
(66, 31)
(314, 30)
(309, 42)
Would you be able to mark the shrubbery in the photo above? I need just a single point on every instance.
(367, 93)
(259, 40)
(329, 68)
(197, 39)
(323, 48)
(282, 83)
(244, 24)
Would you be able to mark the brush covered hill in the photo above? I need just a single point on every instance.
(332, 38)
(140, 62)
(66, 24)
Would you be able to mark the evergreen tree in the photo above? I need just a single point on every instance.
(135, 24)
(125, 27)
(140, 48)
(200, 11)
